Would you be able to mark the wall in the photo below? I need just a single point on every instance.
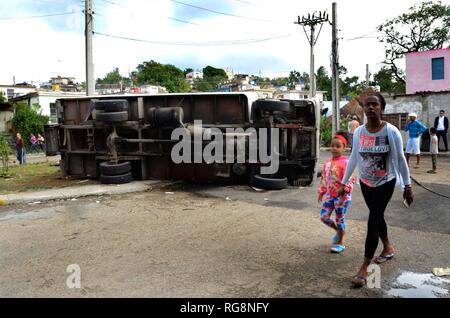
(426, 106)
(18, 91)
(418, 72)
(5, 116)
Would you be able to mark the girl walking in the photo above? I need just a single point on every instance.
(332, 173)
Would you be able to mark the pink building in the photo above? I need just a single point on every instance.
(428, 71)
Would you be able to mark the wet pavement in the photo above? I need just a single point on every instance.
(415, 285)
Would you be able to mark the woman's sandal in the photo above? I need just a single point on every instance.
(359, 281)
(383, 259)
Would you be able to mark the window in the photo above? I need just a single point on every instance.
(53, 114)
(10, 93)
(437, 68)
(399, 120)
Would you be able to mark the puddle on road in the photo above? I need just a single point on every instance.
(74, 212)
(415, 285)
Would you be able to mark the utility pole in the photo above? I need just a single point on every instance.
(367, 75)
(90, 83)
(335, 72)
(311, 21)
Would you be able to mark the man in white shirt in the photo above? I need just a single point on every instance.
(441, 125)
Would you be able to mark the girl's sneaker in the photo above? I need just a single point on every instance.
(337, 248)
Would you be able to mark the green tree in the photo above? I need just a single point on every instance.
(210, 72)
(167, 75)
(2, 97)
(326, 127)
(27, 120)
(202, 85)
(295, 77)
(188, 70)
(351, 86)
(280, 81)
(5, 151)
(212, 78)
(423, 27)
(112, 77)
(387, 81)
(323, 81)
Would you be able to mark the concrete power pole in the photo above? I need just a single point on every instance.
(312, 21)
(90, 83)
(335, 72)
(367, 75)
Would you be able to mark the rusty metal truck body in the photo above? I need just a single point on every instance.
(87, 134)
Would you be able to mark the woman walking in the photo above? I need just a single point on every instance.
(378, 153)
(20, 149)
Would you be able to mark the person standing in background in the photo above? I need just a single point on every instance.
(352, 125)
(415, 129)
(33, 141)
(41, 142)
(20, 149)
(433, 149)
(441, 126)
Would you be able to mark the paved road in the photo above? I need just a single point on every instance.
(180, 241)
(159, 244)
(429, 212)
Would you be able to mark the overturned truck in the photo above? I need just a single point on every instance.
(199, 137)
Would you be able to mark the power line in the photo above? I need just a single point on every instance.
(223, 13)
(178, 20)
(37, 16)
(169, 18)
(113, 3)
(231, 42)
(249, 3)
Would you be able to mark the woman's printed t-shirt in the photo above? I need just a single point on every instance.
(374, 150)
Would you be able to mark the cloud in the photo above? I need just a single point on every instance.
(40, 48)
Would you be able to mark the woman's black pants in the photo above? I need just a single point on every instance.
(377, 198)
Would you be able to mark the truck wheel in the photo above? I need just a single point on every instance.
(110, 169)
(113, 117)
(268, 183)
(118, 179)
(114, 105)
(271, 105)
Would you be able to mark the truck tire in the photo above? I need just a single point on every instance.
(118, 179)
(112, 105)
(271, 105)
(113, 117)
(268, 183)
(110, 169)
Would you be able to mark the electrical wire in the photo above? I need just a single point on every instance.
(169, 18)
(223, 13)
(432, 191)
(231, 42)
(249, 3)
(37, 16)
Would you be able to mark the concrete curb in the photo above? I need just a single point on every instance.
(76, 192)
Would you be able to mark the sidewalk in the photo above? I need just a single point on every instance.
(76, 192)
(34, 158)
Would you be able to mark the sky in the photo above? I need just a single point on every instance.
(250, 37)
